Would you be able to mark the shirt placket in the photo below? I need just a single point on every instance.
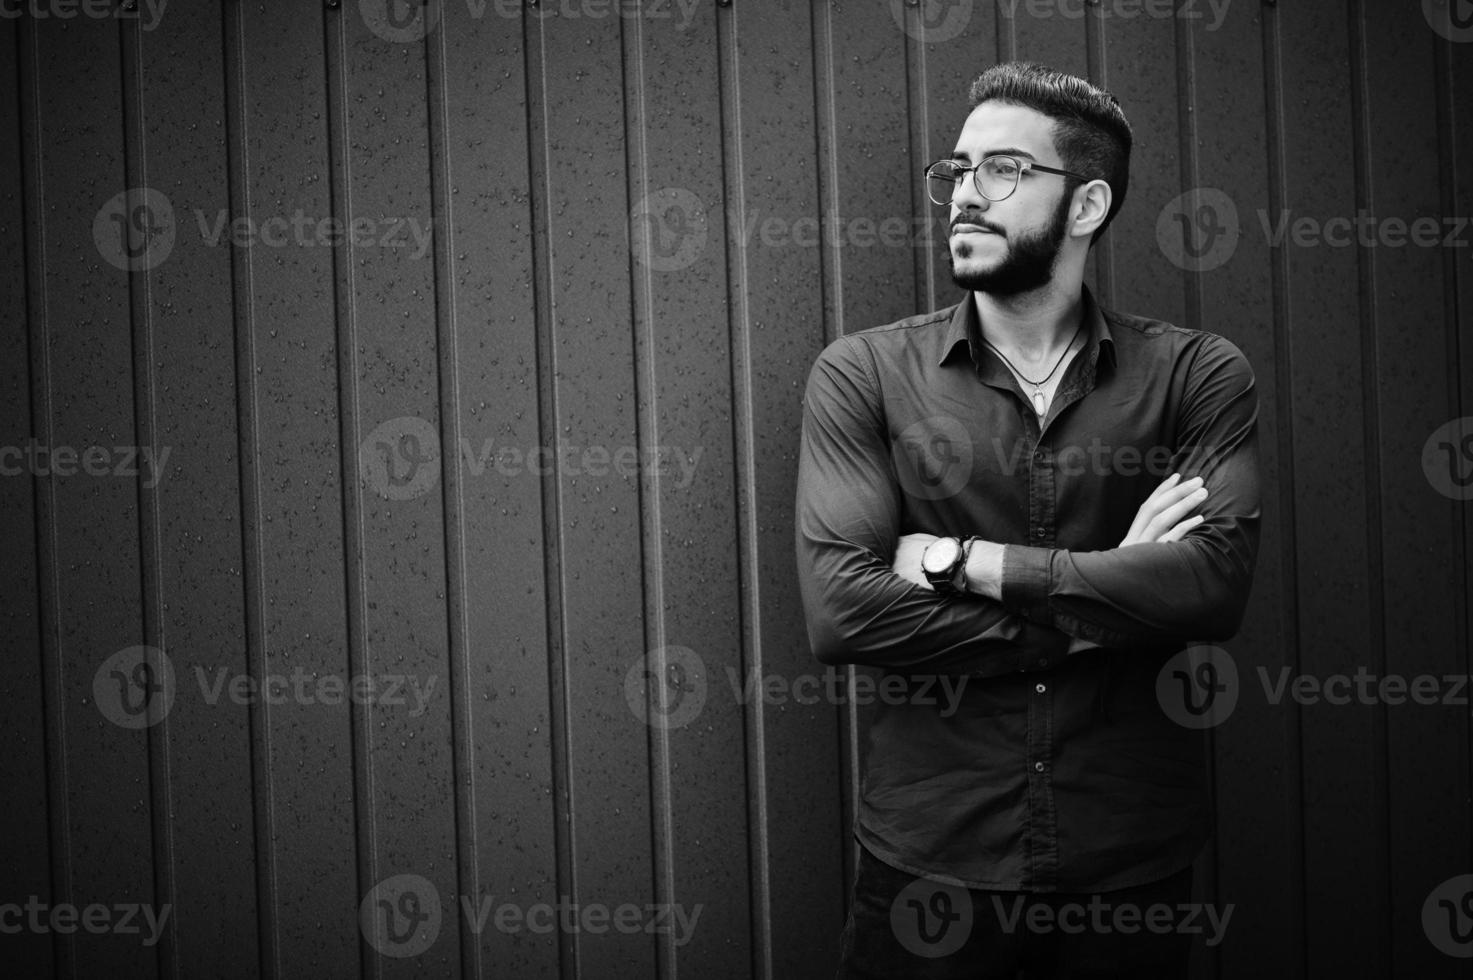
(1043, 844)
(1042, 826)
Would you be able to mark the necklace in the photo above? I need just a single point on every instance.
(1040, 403)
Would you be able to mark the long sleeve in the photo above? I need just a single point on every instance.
(1193, 589)
(848, 513)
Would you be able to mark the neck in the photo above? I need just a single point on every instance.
(1033, 325)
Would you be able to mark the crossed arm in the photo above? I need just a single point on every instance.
(1165, 516)
(1173, 578)
(1161, 519)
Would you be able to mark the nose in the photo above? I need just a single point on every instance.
(966, 197)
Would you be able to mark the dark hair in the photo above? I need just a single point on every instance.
(1090, 131)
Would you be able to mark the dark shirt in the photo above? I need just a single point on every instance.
(1057, 768)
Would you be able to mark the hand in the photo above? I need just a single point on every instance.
(1160, 517)
(908, 551)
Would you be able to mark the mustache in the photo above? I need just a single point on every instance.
(975, 218)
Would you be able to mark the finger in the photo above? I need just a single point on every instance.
(1164, 498)
(1151, 505)
(1169, 516)
(1170, 497)
(1164, 486)
(1167, 496)
(1178, 532)
(1176, 491)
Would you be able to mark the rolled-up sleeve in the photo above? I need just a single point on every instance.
(1193, 589)
(848, 511)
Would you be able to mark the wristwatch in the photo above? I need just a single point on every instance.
(940, 562)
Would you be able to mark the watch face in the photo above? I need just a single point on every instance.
(941, 555)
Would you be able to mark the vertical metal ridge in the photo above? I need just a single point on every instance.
(1190, 178)
(1447, 168)
(825, 113)
(150, 549)
(744, 455)
(1380, 944)
(29, 293)
(447, 345)
(918, 107)
(545, 300)
(1283, 384)
(847, 715)
(1098, 61)
(48, 576)
(646, 392)
(340, 181)
(1007, 33)
(237, 175)
(850, 762)
(1190, 166)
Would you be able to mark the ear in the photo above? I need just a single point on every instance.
(1089, 207)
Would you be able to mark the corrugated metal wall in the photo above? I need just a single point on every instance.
(525, 439)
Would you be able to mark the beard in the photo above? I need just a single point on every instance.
(1027, 264)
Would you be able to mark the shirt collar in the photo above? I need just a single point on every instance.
(964, 326)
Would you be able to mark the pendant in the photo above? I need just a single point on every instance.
(1039, 404)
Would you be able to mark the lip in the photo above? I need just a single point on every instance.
(971, 230)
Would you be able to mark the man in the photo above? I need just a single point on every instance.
(981, 498)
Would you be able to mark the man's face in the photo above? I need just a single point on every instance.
(1008, 247)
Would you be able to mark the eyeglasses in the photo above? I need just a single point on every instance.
(995, 177)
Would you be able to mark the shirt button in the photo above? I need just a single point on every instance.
(1043, 661)
(1040, 688)
(1038, 767)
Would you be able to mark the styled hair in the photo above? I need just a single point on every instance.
(1090, 131)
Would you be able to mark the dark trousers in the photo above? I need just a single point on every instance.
(902, 927)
